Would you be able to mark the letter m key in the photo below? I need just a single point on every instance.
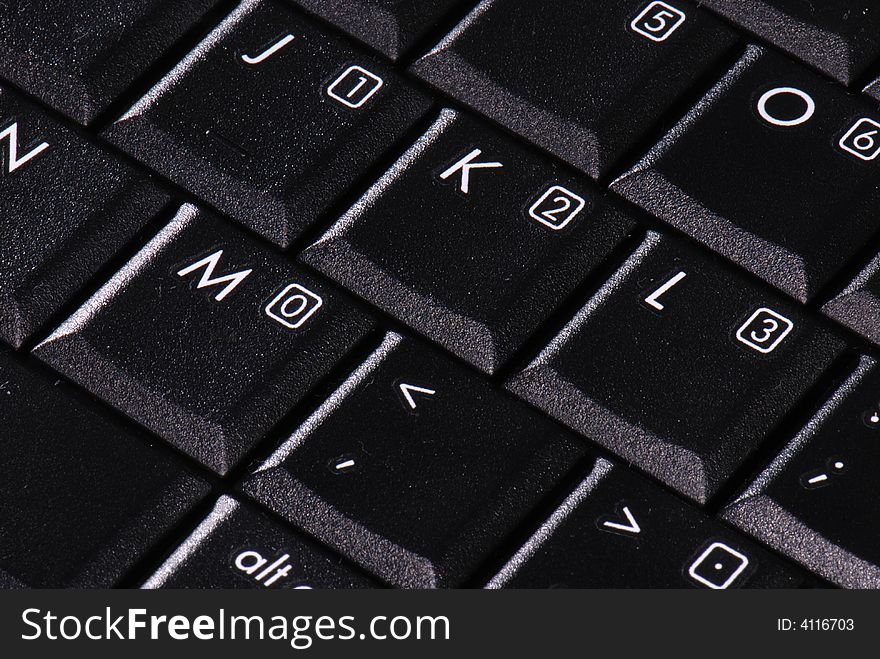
(12, 159)
(207, 278)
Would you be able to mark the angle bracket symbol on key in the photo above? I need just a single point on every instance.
(409, 389)
(630, 528)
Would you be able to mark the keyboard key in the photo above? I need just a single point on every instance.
(617, 530)
(817, 502)
(308, 114)
(80, 499)
(873, 89)
(389, 26)
(237, 546)
(206, 338)
(67, 207)
(79, 55)
(415, 468)
(858, 305)
(839, 37)
(470, 239)
(775, 169)
(583, 80)
(680, 365)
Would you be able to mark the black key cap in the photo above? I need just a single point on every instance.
(67, 207)
(617, 530)
(80, 499)
(269, 119)
(839, 37)
(873, 89)
(583, 80)
(237, 546)
(470, 239)
(206, 338)
(818, 501)
(858, 305)
(680, 365)
(774, 168)
(79, 55)
(389, 26)
(415, 468)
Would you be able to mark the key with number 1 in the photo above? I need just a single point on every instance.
(269, 118)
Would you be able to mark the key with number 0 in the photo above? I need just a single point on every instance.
(206, 337)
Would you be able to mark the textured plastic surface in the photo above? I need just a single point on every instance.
(247, 121)
(539, 69)
(238, 546)
(679, 391)
(616, 530)
(80, 500)
(817, 502)
(209, 375)
(389, 26)
(839, 37)
(476, 272)
(79, 55)
(416, 487)
(784, 201)
(65, 209)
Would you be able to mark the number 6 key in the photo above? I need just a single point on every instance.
(776, 169)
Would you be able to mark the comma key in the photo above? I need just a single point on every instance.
(415, 468)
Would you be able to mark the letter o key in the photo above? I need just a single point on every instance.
(809, 107)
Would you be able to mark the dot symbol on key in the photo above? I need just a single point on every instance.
(872, 419)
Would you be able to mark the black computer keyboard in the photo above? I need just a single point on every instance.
(438, 293)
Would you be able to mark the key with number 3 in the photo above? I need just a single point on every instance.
(711, 363)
